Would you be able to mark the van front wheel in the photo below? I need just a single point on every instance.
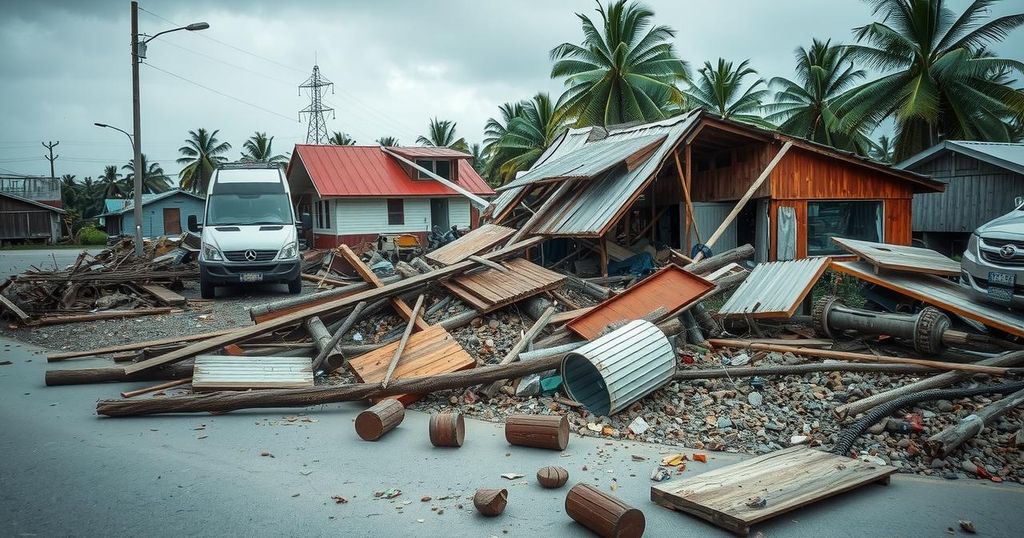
(295, 286)
(206, 289)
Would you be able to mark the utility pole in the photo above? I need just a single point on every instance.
(51, 157)
(317, 131)
(137, 129)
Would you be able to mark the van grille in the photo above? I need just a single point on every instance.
(239, 255)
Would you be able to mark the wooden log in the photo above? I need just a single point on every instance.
(155, 388)
(64, 355)
(493, 265)
(936, 382)
(96, 316)
(321, 338)
(513, 353)
(801, 369)
(231, 401)
(552, 477)
(718, 261)
(603, 514)
(266, 312)
(413, 317)
(447, 429)
(368, 275)
(421, 265)
(943, 443)
(539, 431)
(598, 292)
(325, 352)
(373, 423)
(83, 376)
(7, 303)
(490, 502)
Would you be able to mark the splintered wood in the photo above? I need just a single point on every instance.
(222, 372)
(475, 242)
(739, 495)
(427, 353)
(492, 289)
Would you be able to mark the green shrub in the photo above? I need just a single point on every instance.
(90, 235)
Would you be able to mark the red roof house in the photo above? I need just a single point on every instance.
(356, 193)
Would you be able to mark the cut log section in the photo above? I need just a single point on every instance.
(538, 431)
(490, 502)
(447, 429)
(603, 514)
(373, 423)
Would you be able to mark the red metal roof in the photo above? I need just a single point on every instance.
(431, 153)
(368, 171)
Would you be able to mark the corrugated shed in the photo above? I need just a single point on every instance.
(775, 289)
(976, 192)
(589, 160)
(368, 171)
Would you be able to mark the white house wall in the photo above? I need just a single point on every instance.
(458, 212)
(370, 216)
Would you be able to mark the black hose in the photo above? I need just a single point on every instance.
(846, 437)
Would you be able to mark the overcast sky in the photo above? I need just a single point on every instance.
(395, 64)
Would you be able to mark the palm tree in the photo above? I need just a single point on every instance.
(259, 148)
(526, 137)
(807, 107)
(441, 133)
(388, 141)
(494, 129)
(882, 150)
(479, 158)
(90, 198)
(625, 69)
(202, 153)
(719, 89)
(153, 181)
(111, 184)
(341, 139)
(941, 82)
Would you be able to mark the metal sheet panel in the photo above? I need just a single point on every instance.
(589, 160)
(226, 372)
(976, 192)
(775, 289)
(709, 216)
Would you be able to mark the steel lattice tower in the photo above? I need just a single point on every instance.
(317, 131)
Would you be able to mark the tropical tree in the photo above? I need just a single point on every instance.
(441, 133)
(110, 183)
(339, 138)
(90, 198)
(624, 70)
(882, 150)
(807, 106)
(388, 141)
(941, 81)
(201, 154)
(153, 180)
(494, 129)
(525, 138)
(259, 148)
(70, 191)
(720, 89)
(479, 157)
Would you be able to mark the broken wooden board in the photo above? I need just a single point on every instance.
(491, 289)
(474, 242)
(670, 288)
(939, 292)
(225, 372)
(787, 479)
(775, 289)
(617, 252)
(163, 295)
(9, 305)
(430, 352)
(369, 276)
(568, 315)
(900, 257)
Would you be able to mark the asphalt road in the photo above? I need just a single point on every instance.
(13, 262)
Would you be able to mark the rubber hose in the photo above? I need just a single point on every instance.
(846, 437)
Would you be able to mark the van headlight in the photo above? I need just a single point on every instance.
(289, 251)
(211, 254)
(972, 244)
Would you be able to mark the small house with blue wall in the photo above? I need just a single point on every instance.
(164, 213)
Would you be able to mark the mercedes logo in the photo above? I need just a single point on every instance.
(1008, 251)
(251, 255)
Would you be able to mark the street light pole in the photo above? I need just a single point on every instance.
(137, 129)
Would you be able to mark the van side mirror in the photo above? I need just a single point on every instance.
(1018, 201)
(306, 221)
(193, 224)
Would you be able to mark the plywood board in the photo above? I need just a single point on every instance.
(939, 292)
(775, 289)
(163, 295)
(491, 289)
(475, 242)
(670, 288)
(787, 479)
(226, 372)
(430, 352)
(900, 257)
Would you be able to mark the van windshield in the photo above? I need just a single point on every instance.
(248, 209)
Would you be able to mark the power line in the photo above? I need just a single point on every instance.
(218, 92)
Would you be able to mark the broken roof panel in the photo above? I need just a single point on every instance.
(775, 289)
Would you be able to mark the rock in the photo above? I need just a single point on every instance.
(755, 399)
(944, 406)
(969, 466)
(494, 324)
(879, 426)
(798, 439)
(724, 422)
(967, 526)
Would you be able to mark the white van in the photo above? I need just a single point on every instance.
(249, 229)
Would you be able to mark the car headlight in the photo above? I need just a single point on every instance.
(289, 251)
(211, 254)
(972, 244)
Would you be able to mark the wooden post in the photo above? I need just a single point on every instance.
(447, 429)
(688, 180)
(400, 306)
(603, 514)
(684, 184)
(373, 423)
(539, 431)
(490, 502)
(604, 257)
(325, 351)
(941, 444)
(401, 343)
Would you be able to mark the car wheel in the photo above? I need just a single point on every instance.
(206, 289)
(295, 286)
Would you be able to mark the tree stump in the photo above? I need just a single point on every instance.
(490, 502)
(603, 514)
(373, 423)
(540, 431)
(552, 477)
(447, 429)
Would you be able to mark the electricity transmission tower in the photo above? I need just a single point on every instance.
(317, 131)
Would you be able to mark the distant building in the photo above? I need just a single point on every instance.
(37, 188)
(982, 179)
(22, 219)
(164, 213)
(355, 193)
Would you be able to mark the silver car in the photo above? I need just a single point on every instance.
(993, 264)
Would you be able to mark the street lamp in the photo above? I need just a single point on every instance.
(138, 53)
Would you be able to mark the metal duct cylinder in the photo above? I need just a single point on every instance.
(925, 329)
(619, 368)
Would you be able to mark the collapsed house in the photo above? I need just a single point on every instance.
(676, 183)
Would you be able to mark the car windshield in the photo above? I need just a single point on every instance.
(248, 209)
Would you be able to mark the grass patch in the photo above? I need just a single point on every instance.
(848, 288)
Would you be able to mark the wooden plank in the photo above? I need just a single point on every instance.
(226, 372)
(617, 252)
(163, 295)
(94, 316)
(366, 274)
(670, 288)
(787, 479)
(939, 292)
(569, 315)
(901, 258)
(14, 308)
(402, 343)
(490, 289)
(475, 242)
(63, 355)
(430, 352)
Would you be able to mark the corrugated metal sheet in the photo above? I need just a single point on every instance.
(225, 372)
(976, 192)
(775, 289)
(619, 368)
(368, 171)
(589, 160)
(1006, 155)
(430, 153)
(709, 216)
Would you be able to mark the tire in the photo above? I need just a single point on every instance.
(206, 289)
(295, 286)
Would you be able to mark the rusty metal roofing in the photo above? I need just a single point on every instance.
(775, 289)
(430, 152)
(368, 171)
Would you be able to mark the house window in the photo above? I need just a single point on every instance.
(441, 168)
(327, 213)
(846, 219)
(396, 212)
(323, 214)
